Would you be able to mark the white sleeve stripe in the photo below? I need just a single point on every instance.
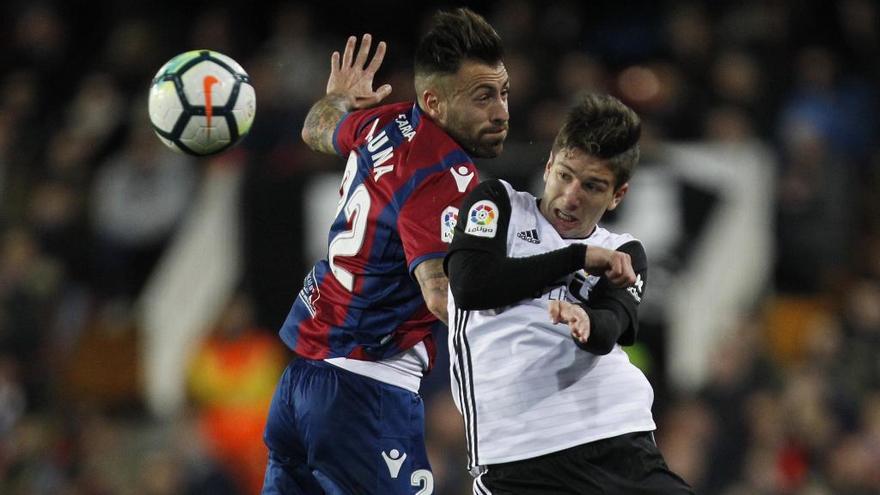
(466, 384)
(458, 369)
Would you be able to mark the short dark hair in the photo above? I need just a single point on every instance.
(454, 37)
(603, 127)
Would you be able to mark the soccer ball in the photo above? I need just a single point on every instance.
(201, 102)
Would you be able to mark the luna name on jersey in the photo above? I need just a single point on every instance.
(382, 151)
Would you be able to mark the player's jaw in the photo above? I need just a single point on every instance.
(490, 141)
(480, 142)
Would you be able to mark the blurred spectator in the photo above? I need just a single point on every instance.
(231, 381)
(109, 341)
(446, 450)
(56, 214)
(132, 54)
(296, 49)
(838, 105)
(577, 72)
(29, 283)
(728, 124)
(861, 323)
(12, 398)
(140, 195)
(815, 189)
(95, 112)
(213, 29)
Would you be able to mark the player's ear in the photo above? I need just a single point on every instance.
(619, 193)
(433, 104)
(548, 166)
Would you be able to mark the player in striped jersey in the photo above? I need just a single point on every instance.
(550, 408)
(347, 417)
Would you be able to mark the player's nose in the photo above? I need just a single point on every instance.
(499, 113)
(572, 194)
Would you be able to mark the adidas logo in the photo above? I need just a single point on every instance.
(529, 236)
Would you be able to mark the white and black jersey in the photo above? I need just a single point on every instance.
(523, 385)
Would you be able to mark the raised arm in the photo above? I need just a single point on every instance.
(350, 87)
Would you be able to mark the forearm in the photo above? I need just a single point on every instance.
(434, 285)
(321, 122)
(481, 280)
(606, 327)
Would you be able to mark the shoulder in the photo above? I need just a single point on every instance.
(492, 191)
(624, 242)
(611, 240)
(360, 122)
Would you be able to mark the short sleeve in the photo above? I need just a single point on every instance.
(352, 128)
(427, 218)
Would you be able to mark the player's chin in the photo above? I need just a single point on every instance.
(489, 148)
(565, 229)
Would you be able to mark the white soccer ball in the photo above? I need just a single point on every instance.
(201, 102)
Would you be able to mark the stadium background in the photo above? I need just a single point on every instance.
(140, 291)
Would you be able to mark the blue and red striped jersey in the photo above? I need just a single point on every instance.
(403, 182)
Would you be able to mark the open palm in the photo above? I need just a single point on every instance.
(352, 77)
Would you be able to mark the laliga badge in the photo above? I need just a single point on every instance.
(482, 219)
(448, 219)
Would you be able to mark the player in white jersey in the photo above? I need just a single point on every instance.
(552, 408)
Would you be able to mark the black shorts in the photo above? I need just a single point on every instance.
(629, 464)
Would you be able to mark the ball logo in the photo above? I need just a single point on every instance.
(482, 219)
(208, 82)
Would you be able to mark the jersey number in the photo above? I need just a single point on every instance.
(349, 242)
(423, 478)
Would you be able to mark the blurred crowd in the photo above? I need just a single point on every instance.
(89, 199)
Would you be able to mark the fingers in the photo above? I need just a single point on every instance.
(620, 271)
(572, 315)
(555, 308)
(577, 320)
(628, 275)
(377, 58)
(334, 63)
(383, 91)
(598, 259)
(351, 76)
(581, 332)
(349, 52)
(363, 51)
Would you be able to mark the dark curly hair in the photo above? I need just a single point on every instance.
(454, 37)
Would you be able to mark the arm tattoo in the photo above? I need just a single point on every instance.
(321, 122)
(434, 286)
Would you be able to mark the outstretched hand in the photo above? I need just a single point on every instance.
(572, 315)
(352, 77)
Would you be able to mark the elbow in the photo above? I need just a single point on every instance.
(596, 346)
(437, 306)
(467, 300)
(307, 137)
